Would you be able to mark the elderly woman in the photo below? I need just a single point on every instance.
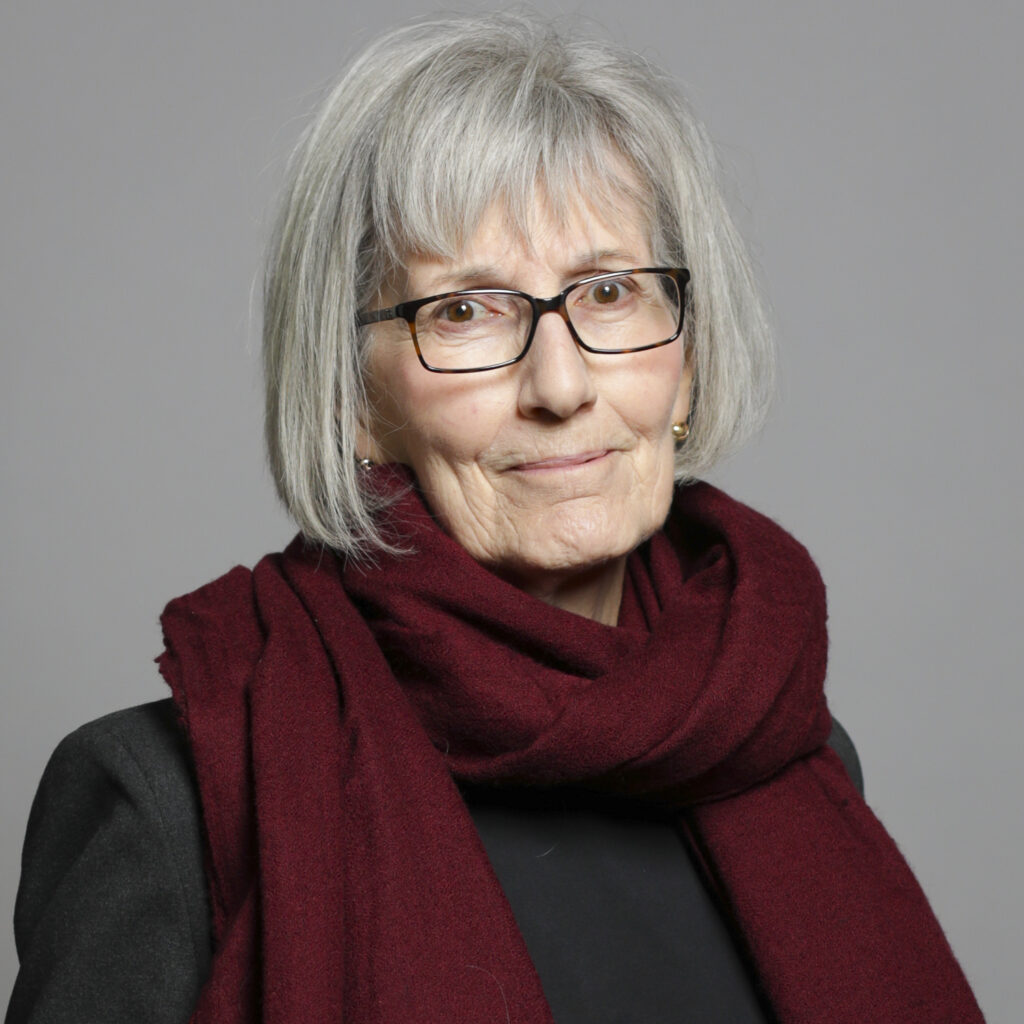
(527, 725)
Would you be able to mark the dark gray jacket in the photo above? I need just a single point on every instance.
(112, 917)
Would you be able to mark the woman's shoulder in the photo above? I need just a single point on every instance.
(138, 757)
(139, 753)
(113, 895)
(146, 738)
(842, 744)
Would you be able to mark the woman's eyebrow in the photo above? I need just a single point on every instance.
(475, 275)
(594, 262)
(483, 275)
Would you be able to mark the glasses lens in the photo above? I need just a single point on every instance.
(472, 330)
(619, 313)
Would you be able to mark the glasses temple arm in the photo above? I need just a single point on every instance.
(376, 316)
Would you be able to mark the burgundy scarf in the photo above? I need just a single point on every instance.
(329, 708)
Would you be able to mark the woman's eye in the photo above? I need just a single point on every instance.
(606, 291)
(461, 312)
(462, 315)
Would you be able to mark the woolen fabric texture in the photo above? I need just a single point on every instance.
(330, 708)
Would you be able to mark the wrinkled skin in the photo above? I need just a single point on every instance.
(552, 470)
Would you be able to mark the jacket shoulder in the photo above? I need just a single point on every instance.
(147, 739)
(112, 918)
(138, 754)
(840, 742)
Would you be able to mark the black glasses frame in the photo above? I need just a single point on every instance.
(556, 304)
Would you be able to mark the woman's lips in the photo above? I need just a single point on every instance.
(561, 462)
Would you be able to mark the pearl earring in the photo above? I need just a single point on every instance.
(681, 431)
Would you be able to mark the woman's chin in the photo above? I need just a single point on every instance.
(577, 571)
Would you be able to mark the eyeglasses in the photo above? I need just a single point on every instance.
(486, 328)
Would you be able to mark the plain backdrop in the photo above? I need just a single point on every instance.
(875, 153)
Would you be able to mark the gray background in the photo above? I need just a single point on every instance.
(876, 151)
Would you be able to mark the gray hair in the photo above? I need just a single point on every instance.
(429, 126)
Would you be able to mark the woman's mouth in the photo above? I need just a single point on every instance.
(561, 462)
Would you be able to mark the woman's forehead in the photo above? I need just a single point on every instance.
(573, 230)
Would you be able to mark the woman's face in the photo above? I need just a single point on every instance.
(552, 470)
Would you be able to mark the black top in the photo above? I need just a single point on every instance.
(614, 913)
(112, 917)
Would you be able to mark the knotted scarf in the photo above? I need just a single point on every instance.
(332, 708)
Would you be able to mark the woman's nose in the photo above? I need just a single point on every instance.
(556, 379)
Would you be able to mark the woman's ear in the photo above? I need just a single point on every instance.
(366, 446)
(683, 404)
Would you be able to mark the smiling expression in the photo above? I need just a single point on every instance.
(552, 470)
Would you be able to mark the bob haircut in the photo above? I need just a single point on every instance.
(430, 126)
